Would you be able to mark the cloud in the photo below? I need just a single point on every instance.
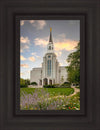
(24, 65)
(25, 42)
(41, 42)
(58, 53)
(41, 24)
(63, 35)
(38, 57)
(65, 61)
(31, 58)
(22, 22)
(38, 24)
(24, 73)
(24, 47)
(34, 53)
(40, 65)
(22, 58)
(61, 64)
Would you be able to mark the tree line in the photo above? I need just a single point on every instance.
(73, 70)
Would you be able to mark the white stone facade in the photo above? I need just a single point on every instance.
(50, 72)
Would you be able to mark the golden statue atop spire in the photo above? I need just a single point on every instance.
(50, 29)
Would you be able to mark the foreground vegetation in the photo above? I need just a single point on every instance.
(51, 91)
(49, 99)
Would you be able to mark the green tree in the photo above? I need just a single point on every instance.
(74, 66)
(24, 82)
(27, 81)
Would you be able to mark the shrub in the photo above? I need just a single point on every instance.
(34, 83)
(49, 86)
(23, 85)
(57, 85)
(65, 85)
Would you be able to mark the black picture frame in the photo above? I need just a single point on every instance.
(82, 19)
(11, 118)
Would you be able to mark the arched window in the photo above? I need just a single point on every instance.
(49, 67)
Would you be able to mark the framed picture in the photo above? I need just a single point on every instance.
(49, 65)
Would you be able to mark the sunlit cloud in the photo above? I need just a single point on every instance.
(64, 63)
(41, 42)
(22, 58)
(38, 24)
(61, 64)
(22, 22)
(24, 65)
(31, 58)
(58, 53)
(33, 53)
(66, 44)
(24, 40)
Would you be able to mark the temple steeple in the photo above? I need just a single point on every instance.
(50, 47)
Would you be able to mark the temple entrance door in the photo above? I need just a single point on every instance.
(50, 82)
(45, 81)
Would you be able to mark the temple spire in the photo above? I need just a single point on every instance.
(50, 47)
(50, 39)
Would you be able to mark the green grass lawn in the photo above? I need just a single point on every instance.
(51, 91)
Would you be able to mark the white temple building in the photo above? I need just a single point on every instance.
(50, 72)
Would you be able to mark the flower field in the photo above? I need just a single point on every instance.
(49, 99)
